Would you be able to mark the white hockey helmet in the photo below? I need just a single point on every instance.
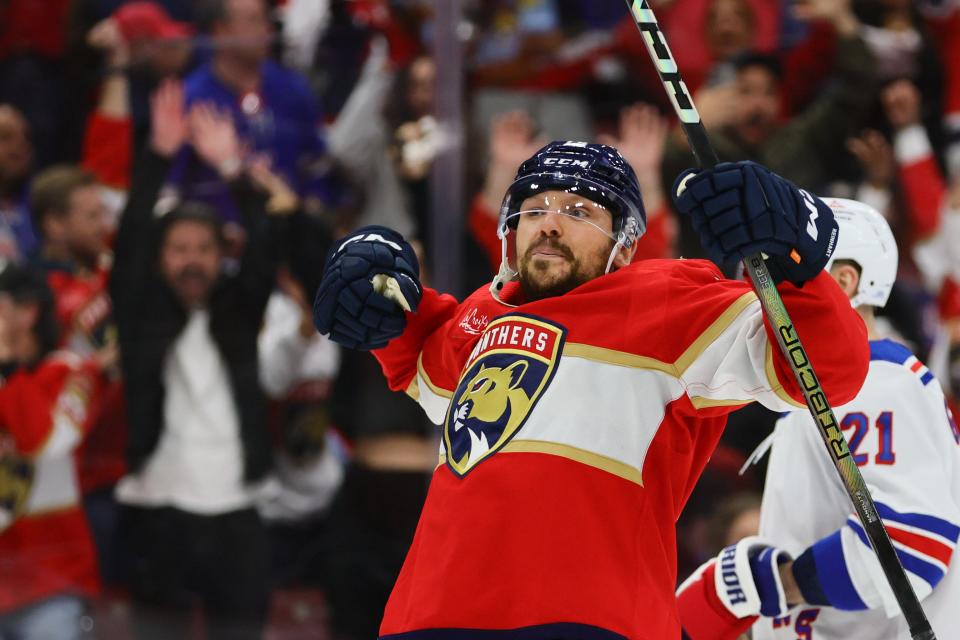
(865, 238)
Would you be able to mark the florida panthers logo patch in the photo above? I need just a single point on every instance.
(507, 373)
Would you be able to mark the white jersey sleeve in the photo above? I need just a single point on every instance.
(907, 447)
(736, 367)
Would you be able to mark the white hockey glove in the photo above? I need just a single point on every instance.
(722, 598)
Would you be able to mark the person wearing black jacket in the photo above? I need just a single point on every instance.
(198, 441)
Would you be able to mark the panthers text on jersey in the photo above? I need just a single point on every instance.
(574, 429)
(907, 446)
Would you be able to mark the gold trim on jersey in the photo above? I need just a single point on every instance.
(619, 358)
(443, 393)
(589, 458)
(700, 402)
(688, 357)
(413, 389)
(717, 327)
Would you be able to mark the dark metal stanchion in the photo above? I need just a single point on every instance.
(447, 198)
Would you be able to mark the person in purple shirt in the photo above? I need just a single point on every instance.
(17, 236)
(273, 108)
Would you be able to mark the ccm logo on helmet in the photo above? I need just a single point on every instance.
(567, 162)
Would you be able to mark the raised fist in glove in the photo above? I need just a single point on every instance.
(742, 208)
(372, 277)
(723, 598)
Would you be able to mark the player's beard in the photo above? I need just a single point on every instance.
(538, 282)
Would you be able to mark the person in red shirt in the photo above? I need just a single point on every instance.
(72, 221)
(71, 218)
(47, 556)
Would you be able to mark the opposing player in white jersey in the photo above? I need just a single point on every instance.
(907, 446)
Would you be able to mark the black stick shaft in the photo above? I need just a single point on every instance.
(787, 338)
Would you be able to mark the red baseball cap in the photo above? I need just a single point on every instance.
(144, 20)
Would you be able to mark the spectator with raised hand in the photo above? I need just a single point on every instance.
(923, 184)
(108, 139)
(138, 43)
(933, 210)
(641, 137)
(943, 21)
(874, 153)
(47, 402)
(806, 150)
(273, 108)
(903, 47)
(360, 141)
(198, 445)
(512, 140)
(154, 39)
(889, 188)
(642, 141)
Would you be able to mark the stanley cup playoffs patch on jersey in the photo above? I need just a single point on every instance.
(510, 368)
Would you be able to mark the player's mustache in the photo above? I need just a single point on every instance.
(552, 244)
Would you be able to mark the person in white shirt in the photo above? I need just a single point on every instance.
(198, 446)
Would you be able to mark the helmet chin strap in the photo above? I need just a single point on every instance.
(622, 241)
(506, 273)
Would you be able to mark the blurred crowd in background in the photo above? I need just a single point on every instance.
(181, 455)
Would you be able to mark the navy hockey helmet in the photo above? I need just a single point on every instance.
(596, 171)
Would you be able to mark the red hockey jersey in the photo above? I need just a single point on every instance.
(574, 429)
(48, 549)
(83, 307)
(85, 314)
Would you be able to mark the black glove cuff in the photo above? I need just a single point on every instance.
(804, 571)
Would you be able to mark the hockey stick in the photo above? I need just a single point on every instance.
(787, 337)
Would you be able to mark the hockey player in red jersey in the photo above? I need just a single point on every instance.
(47, 558)
(582, 394)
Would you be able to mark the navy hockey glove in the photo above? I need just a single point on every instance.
(371, 278)
(744, 208)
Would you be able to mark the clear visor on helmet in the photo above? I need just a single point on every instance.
(573, 212)
(569, 204)
(560, 206)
